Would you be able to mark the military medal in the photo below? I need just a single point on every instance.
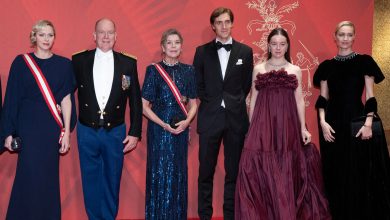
(125, 82)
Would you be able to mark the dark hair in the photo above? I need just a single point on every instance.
(221, 10)
(280, 31)
(170, 31)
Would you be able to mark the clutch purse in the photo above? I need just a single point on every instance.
(358, 123)
(16, 144)
(174, 120)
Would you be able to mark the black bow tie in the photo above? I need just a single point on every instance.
(228, 47)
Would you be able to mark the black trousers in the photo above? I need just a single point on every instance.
(209, 144)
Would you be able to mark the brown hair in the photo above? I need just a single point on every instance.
(280, 31)
(170, 31)
(221, 10)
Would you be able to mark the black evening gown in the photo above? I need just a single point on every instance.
(36, 189)
(356, 173)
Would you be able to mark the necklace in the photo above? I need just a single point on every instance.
(346, 57)
(170, 64)
(277, 65)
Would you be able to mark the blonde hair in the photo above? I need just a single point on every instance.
(344, 23)
(37, 27)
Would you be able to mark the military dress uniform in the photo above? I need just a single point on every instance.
(103, 91)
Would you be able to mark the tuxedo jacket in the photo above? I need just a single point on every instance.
(125, 86)
(233, 88)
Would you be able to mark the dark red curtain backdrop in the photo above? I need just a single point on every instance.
(310, 24)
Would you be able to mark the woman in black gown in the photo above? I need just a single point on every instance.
(355, 166)
(36, 191)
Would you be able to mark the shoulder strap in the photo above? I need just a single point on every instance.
(172, 86)
(46, 91)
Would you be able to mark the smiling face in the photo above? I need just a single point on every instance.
(278, 46)
(105, 35)
(172, 46)
(44, 38)
(345, 37)
(222, 27)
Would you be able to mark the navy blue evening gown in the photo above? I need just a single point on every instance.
(36, 190)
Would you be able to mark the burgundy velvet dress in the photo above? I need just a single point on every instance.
(279, 178)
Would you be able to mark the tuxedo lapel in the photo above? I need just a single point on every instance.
(232, 59)
(215, 59)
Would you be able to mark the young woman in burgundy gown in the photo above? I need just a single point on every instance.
(280, 172)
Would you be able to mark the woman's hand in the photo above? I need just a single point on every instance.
(65, 143)
(365, 132)
(7, 143)
(306, 136)
(182, 126)
(168, 128)
(327, 131)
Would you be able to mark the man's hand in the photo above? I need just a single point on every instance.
(130, 143)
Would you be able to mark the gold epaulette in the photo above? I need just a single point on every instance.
(129, 55)
(78, 52)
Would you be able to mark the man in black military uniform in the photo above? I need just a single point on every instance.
(106, 79)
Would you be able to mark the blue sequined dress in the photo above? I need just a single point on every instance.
(166, 172)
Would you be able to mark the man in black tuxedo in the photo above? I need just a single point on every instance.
(106, 79)
(223, 72)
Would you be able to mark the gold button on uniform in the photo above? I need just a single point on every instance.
(108, 124)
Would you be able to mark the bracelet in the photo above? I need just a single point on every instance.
(369, 115)
(368, 126)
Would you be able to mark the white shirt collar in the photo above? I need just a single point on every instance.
(100, 54)
(230, 41)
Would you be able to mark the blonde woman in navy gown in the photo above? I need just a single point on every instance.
(36, 189)
(356, 168)
(279, 177)
(167, 142)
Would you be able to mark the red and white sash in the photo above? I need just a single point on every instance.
(172, 86)
(46, 92)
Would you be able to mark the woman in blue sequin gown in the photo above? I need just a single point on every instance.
(167, 146)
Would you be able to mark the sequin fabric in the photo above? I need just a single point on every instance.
(166, 172)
